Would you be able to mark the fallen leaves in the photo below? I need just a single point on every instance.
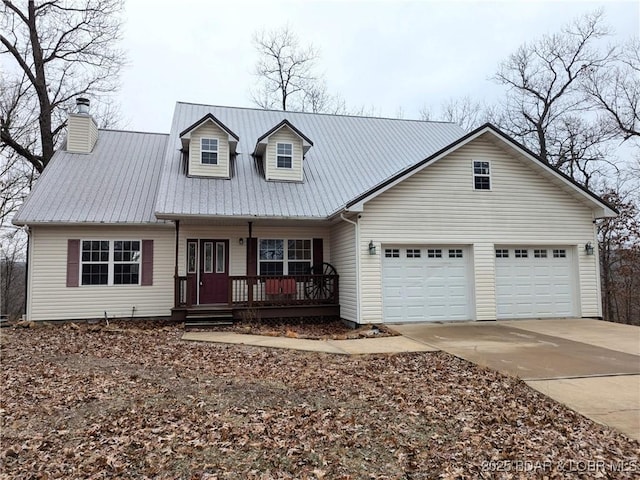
(139, 403)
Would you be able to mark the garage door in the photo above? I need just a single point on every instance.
(534, 282)
(425, 283)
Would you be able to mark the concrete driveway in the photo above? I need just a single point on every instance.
(591, 366)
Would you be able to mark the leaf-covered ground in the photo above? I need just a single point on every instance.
(140, 403)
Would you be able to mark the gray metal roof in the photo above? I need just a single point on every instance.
(350, 156)
(116, 183)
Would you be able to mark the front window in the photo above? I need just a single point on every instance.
(284, 257)
(95, 262)
(110, 262)
(209, 151)
(285, 155)
(481, 175)
(126, 262)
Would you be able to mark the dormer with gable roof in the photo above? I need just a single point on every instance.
(282, 150)
(210, 145)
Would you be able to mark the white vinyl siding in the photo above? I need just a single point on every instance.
(271, 170)
(484, 281)
(209, 130)
(437, 206)
(82, 133)
(51, 299)
(343, 258)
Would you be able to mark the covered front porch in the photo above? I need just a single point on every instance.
(256, 297)
(254, 271)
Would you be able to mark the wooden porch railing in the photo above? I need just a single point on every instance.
(266, 290)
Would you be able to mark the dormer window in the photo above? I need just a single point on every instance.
(209, 151)
(210, 146)
(282, 150)
(285, 155)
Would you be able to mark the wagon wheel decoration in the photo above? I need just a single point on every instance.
(321, 288)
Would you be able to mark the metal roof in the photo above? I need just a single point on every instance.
(351, 155)
(116, 183)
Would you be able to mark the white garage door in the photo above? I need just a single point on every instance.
(425, 283)
(534, 282)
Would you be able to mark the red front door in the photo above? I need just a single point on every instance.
(214, 271)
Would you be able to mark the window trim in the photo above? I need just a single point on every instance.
(220, 266)
(110, 263)
(209, 150)
(193, 243)
(285, 254)
(284, 156)
(481, 175)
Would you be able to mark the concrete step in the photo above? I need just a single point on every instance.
(207, 323)
(206, 315)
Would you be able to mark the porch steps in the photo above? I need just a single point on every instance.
(208, 318)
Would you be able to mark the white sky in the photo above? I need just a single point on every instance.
(392, 57)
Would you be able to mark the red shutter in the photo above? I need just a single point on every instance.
(73, 263)
(147, 262)
(252, 257)
(317, 251)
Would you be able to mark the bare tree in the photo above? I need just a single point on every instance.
(285, 69)
(582, 148)
(317, 99)
(466, 112)
(12, 271)
(616, 90)
(60, 49)
(545, 81)
(16, 179)
(52, 51)
(619, 246)
(288, 78)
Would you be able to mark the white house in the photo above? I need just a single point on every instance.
(284, 213)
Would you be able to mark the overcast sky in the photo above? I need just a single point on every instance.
(391, 57)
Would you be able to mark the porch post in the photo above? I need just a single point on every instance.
(176, 281)
(251, 264)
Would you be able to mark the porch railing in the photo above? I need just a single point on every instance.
(266, 290)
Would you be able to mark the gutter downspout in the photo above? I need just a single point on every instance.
(27, 277)
(358, 302)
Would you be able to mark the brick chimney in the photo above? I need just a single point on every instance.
(82, 130)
